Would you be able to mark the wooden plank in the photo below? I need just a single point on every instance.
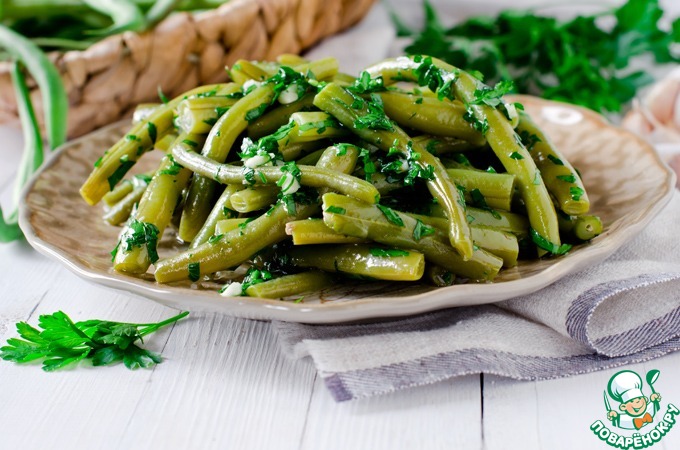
(225, 385)
(445, 415)
(557, 414)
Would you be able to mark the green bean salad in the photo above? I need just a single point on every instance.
(414, 170)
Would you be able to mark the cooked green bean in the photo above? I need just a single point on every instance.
(336, 101)
(136, 250)
(198, 115)
(310, 175)
(311, 158)
(221, 210)
(120, 212)
(254, 198)
(234, 247)
(221, 139)
(143, 111)
(354, 218)
(277, 117)
(431, 115)
(118, 193)
(587, 227)
(363, 260)
(499, 133)
(288, 285)
(226, 225)
(441, 145)
(32, 157)
(315, 231)
(120, 158)
(312, 126)
(559, 176)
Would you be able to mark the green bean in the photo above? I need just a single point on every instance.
(125, 14)
(310, 159)
(254, 198)
(118, 193)
(54, 99)
(587, 227)
(498, 220)
(497, 242)
(222, 137)
(226, 225)
(495, 188)
(441, 145)
(221, 210)
(288, 285)
(163, 144)
(310, 175)
(159, 11)
(32, 157)
(315, 231)
(439, 276)
(363, 260)
(143, 111)
(120, 211)
(290, 59)
(500, 135)
(153, 215)
(336, 101)
(234, 247)
(355, 218)
(559, 176)
(198, 115)
(277, 117)
(431, 115)
(237, 246)
(120, 158)
(312, 126)
(581, 228)
(243, 71)
(292, 151)
(343, 79)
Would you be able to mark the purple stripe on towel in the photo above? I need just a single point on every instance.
(582, 309)
(389, 378)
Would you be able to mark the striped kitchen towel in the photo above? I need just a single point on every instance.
(624, 310)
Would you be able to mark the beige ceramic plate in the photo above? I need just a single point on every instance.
(626, 181)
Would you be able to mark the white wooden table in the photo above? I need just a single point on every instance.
(224, 385)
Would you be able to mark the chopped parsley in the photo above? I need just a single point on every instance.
(173, 169)
(194, 271)
(516, 155)
(391, 215)
(528, 139)
(576, 193)
(255, 276)
(215, 238)
(421, 230)
(366, 85)
(548, 246)
(161, 95)
(336, 210)
(119, 173)
(479, 201)
(98, 162)
(387, 252)
(138, 234)
(480, 125)
(153, 132)
(555, 160)
(256, 112)
(568, 178)
(190, 143)
(493, 96)
(375, 118)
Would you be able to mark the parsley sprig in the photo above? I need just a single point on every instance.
(581, 60)
(60, 342)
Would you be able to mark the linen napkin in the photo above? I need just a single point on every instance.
(624, 310)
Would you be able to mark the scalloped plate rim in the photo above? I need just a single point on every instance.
(361, 308)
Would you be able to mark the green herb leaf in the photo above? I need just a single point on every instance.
(548, 246)
(60, 342)
(568, 178)
(336, 210)
(388, 252)
(421, 230)
(194, 271)
(391, 215)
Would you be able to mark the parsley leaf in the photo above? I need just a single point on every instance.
(421, 230)
(60, 342)
(388, 252)
(548, 246)
(391, 215)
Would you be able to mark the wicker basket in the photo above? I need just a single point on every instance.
(108, 79)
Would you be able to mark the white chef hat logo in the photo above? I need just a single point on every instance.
(625, 385)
